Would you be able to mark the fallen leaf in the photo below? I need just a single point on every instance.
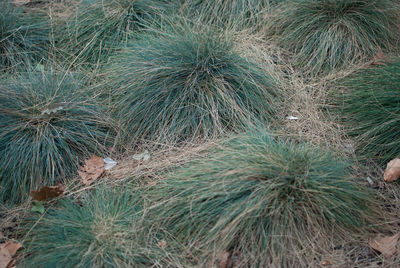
(7, 251)
(392, 171)
(109, 163)
(48, 192)
(92, 170)
(145, 156)
(387, 245)
(225, 260)
(12, 247)
(38, 207)
(5, 258)
(162, 244)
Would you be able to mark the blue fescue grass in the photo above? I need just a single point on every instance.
(330, 34)
(48, 124)
(105, 227)
(262, 198)
(371, 111)
(24, 36)
(99, 27)
(187, 82)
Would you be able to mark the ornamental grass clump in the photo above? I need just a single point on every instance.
(187, 83)
(101, 26)
(330, 34)
(102, 228)
(263, 200)
(24, 37)
(371, 110)
(48, 124)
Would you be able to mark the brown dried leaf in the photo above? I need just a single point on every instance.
(5, 257)
(392, 171)
(92, 170)
(225, 260)
(12, 247)
(48, 192)
(7, 251)
(387, 245)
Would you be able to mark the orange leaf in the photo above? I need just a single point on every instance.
(5, 257)
(48, 192)
(387, 245)
(7, 251)
(392, 171)
(92, 170)
(12, 247)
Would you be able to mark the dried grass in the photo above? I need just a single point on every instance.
(161, 160)
(303, 97)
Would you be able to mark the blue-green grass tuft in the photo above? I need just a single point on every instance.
(105, 227)
(371, 111)
(331, 34)
(187, 83)
(48, 125)
(100, 27)
(262, 198)
(24, 36)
